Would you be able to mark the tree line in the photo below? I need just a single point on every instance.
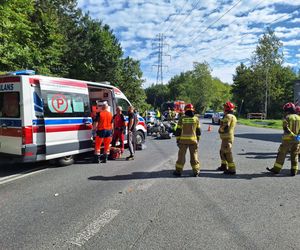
(262, 87)
(196, 86)
(55, 38)
(266, 84)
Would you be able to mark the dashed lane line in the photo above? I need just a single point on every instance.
(88, 232)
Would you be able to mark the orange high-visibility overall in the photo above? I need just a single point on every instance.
(104, 132)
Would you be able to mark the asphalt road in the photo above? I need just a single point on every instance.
(140, 205)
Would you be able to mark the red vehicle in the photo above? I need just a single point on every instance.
(177, 106)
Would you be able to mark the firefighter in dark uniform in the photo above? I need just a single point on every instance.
(226, 132)
(290, 140)
(188, 135)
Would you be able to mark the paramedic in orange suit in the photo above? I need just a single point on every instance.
(103, 124)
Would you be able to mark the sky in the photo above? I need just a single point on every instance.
(223, 33)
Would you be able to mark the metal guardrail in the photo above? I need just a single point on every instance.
(261, 116)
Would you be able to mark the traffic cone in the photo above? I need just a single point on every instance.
(209, 128)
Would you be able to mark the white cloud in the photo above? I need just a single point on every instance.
(229, 41)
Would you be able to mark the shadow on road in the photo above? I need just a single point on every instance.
(186, 174)
(256, 155)
(261, 137)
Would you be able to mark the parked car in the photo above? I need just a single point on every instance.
(208, 114)
(216, 118)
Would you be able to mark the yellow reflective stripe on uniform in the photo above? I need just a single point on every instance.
(277, 166)
(295, 167)
(188, 137)
(179, 126)
(288, 137)
(231, 166)
(224, 162)
(179, 166)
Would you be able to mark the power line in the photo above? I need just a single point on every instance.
(181, 9)
(190, 12)
(160, 55)
(240, 38)
(232, 42)
(209, 26)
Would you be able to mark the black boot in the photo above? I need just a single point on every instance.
(97, 159)
(177, 173)
(273, 170)
(294, 172)
(104, 158)
(223, 167)
(229, 172)
(196, 173)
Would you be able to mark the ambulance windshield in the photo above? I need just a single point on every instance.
(9, 105)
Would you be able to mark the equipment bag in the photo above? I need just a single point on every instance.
(115, 153)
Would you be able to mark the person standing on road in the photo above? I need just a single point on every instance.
(187, 136)
(226, 131)
(119, 128)
(290, 141)
(132, 122)
(103, 124)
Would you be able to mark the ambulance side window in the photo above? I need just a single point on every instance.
(124, 104)
(10, 104)
(65, 104)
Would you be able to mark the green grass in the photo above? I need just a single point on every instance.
(276, 124)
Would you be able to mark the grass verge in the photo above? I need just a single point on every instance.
(276, 124)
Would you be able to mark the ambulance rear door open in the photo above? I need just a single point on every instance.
(68, 127)
(100, 94)
(11, 115)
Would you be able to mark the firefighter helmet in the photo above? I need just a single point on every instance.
(189, 106)
(297, 109)
(229, 106)
(289, 107)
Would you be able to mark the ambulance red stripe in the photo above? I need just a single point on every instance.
(61, 82)
(9, 79)
(12, 132)
(67, 128)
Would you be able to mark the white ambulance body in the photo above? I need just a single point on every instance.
(44, 118)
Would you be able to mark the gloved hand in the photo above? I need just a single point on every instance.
(177, 142)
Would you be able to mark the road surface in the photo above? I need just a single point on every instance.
(140, 205)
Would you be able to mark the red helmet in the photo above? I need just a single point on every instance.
(189, 106)
(297, 109)
(229, 106)
(290, 107)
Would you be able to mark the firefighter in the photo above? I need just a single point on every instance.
(103, 125)
(290, 141)
(187, 136)
(226, 132)
(119, 128)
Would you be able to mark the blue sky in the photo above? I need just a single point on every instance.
(193, 34)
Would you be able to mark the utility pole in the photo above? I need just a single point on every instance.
(159, 46)
(266, 93)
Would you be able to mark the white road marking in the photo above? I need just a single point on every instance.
(82, 237)
(21, 175)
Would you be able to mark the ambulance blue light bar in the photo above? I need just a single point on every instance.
(22, 72)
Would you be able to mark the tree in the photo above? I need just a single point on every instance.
(131, 82)
(266, 80)
(157, 94)
(17, 47)
(267, 57)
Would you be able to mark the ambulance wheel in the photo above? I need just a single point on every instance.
(140, 139)
(66, 160)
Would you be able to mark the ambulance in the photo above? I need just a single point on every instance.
(49, 118)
